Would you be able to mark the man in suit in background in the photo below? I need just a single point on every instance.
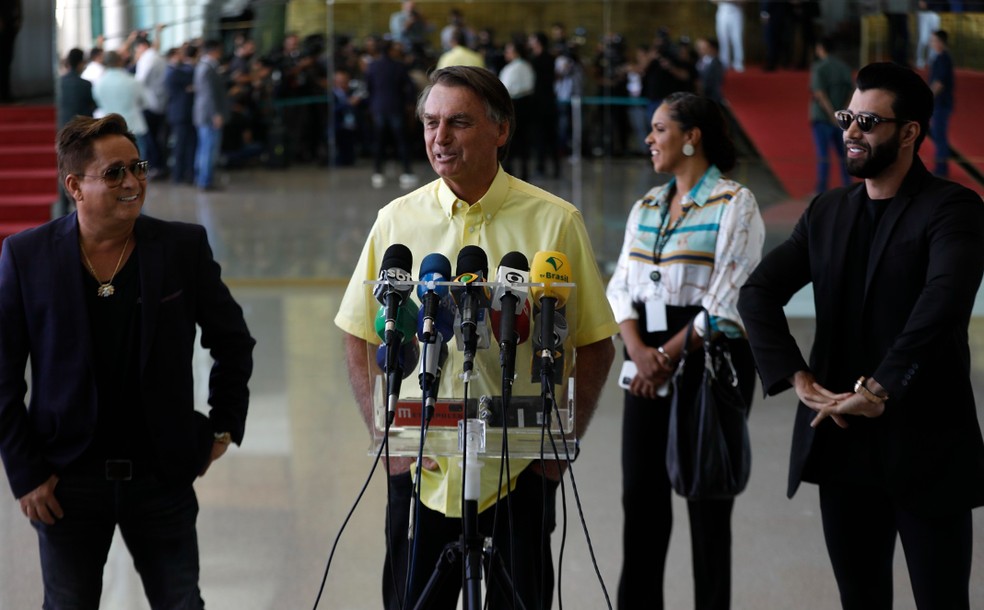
(105, 303)
(74, 99)
(886, 424)
(11, 16)
(210, 113)
(179, 82)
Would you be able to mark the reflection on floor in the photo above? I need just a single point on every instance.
(272, 510)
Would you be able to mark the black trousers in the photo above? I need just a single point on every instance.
(647, 495)
(860, 525)
(530, 567)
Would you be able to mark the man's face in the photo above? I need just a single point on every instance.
(869, 154)
(462, 142)
(97, 201)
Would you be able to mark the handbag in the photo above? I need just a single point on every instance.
(708, 451)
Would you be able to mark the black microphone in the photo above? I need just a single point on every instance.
(392, 292)
(394, 288)
(509, 298)
(552, 270)
(472, 302)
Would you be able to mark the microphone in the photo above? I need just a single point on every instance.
(406, 359)
(393, 289)
(555, 347)
(405, 326)
(435, 352)
(471, 327)
(434, 268)
(521, 326)
(509, 292)
(392, 292)
(549, 268)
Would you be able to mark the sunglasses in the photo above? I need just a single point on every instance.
(866, 120)
(113, 176)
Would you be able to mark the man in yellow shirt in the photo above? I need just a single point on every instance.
(468, 119)
(459, 54)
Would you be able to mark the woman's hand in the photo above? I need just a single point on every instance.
(653, 370)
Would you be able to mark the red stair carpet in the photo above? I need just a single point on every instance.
(772, 108)
(28, 167)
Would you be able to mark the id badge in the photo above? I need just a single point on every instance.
(655, 316)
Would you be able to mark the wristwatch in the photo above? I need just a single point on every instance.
(223, 437)
(860, 388)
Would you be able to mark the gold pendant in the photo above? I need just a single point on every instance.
(105, 290)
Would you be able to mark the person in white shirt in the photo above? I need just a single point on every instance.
(519, 78)
(117, 91)
(95, 68)
(151, 70)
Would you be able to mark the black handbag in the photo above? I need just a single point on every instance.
(708, 451)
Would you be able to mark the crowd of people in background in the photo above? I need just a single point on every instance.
(301, 104)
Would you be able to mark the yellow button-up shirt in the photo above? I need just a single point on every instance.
(512, 216)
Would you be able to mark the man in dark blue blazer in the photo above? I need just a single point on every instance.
(180, 84)
(105, 304)
(74, 99)
(886, 425)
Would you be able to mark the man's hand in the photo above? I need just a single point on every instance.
(854, 404)
(41, 504)
(218, 450)
(819, 398)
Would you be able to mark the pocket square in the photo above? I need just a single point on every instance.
(173, 295)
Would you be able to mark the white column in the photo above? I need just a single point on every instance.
(73, 19)
(116, 22)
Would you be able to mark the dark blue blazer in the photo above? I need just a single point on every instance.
(43, 317)
(178, 81)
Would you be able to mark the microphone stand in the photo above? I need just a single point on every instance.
(547, 305)
(470, 546)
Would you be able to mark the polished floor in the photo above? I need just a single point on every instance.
(275, 510)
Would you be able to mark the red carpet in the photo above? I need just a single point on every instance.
(28, 167)
(773, 109)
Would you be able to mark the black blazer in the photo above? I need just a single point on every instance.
(43, 317)
(924, 269)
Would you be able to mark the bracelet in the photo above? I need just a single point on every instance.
(665, 355)
(862, 389)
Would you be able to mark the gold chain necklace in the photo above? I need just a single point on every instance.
(105, 289)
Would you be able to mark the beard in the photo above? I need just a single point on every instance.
(880, 157)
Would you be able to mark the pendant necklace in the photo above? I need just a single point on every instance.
(105, 289)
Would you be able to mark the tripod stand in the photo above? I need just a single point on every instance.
(471, 546)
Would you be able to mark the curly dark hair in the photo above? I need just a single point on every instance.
(692, 111)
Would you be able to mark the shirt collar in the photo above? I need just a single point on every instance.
(490, 202)
(701, 191)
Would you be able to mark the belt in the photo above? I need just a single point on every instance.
(119, 470)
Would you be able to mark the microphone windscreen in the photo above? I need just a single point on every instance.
(515, 260)
(406, 360)
(443, 322)
(397, 256)
(522, 327)
(434, 268)
(406, 321)
(472, 259)
(550, 268)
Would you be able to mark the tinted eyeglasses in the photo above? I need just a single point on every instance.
(113, 176)
(866, 120)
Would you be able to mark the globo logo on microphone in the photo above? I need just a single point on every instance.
(513, 277)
